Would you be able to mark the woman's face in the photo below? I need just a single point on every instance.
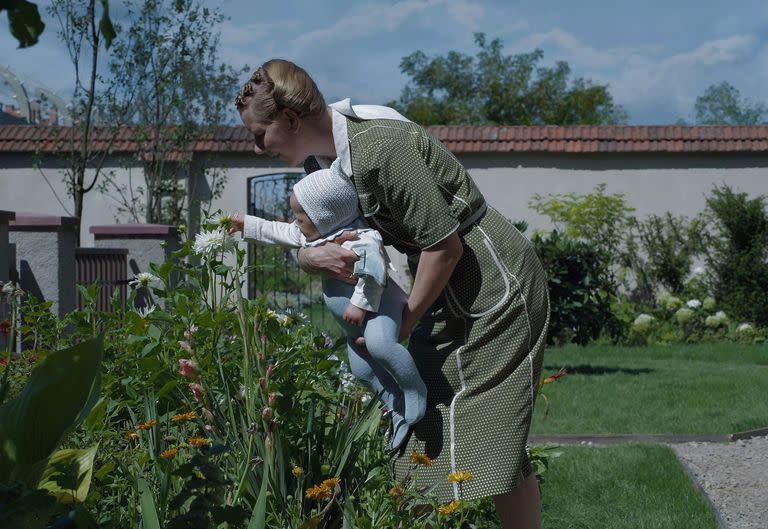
(276, 138)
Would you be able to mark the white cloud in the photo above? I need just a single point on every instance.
(713, 52)
(573, 49)
(467, 14)
(370, 19)
(239, 34)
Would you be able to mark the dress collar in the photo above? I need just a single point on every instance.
(343, 109)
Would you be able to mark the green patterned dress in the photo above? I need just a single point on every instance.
(480, 347)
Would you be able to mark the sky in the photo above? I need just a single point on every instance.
(655, 56)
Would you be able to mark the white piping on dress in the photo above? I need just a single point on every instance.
(492, 250)
(530, 332)
(383, 127)
(452, 413)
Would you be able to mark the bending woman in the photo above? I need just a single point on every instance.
(478, 311)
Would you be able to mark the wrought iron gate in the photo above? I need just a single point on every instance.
(276, 274)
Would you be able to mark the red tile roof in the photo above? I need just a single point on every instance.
(458, 138)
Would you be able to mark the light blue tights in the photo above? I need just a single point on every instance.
(388, 369)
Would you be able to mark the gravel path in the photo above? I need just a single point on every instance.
(734, 476)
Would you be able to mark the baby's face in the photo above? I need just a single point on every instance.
(305, 224)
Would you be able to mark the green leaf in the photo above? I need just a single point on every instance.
(95, 419)
(106, 28)
(26, 25)
(68, 474)
(104, 470)
(147, 502)
(311, 523)
(59, 393)
(259, 514)
(167, 387)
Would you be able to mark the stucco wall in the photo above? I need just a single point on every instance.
(651, 183)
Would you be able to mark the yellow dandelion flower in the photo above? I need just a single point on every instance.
(189, 416)
(297, 471)
(421, 459)
(450, 508)
(198, 441)
(168, 454)
(396, 491)
(330, 483)
(318, 492)
(132, 436)
(459, 477)
(147, 425)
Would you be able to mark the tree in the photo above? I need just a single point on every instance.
(492, 88)
(168, 74)
(84, 38)
(723, 104)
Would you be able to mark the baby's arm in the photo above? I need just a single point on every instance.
(286, 234)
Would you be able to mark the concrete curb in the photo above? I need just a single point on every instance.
(721, 523)
(644, 438)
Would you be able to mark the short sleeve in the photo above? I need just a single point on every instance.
(401, 179)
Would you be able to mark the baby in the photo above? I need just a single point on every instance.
(325, 205)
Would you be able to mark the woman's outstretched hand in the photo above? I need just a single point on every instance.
(331, 259)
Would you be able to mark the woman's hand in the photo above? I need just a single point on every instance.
(331, 259)
(236, 223)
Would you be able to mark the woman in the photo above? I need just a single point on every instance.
(478, 311)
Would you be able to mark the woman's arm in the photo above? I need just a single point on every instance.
(436, 265)
(331, 259)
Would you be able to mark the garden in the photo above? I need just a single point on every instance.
(200, 408)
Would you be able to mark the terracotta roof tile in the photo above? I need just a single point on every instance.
(459, 138)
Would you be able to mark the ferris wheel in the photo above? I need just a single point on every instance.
(20, 95)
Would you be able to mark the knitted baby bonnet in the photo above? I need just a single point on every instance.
(329, 198)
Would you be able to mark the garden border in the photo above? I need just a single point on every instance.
(644, 438)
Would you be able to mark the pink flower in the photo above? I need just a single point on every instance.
(272, 399)
(190, 332)
(264, 339)
(262, 383)
(270, 368)
(260, 356)
(186, 346)
(188, 368)
(197, 391)
(267, 414)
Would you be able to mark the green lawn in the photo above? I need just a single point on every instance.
(622, 487)
(688, 389)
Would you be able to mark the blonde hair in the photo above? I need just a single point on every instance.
(279, 84)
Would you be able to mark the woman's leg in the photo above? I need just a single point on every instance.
(520, 508)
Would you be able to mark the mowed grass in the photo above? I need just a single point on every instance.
(622, 487)
(676, 389)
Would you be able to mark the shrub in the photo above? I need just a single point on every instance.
(580, 289)
(663, 249)
(596, 218)
(737, 253)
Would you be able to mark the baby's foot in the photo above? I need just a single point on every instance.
(415, 402)
(400, 430)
